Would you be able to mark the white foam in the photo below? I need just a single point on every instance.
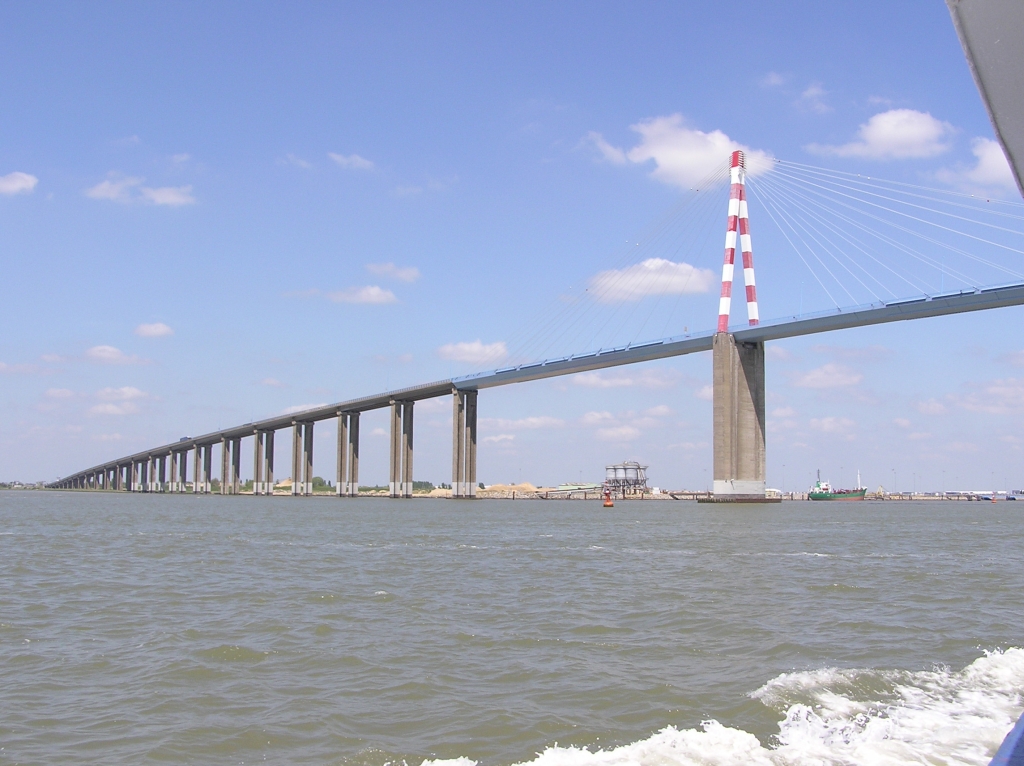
(836, 717)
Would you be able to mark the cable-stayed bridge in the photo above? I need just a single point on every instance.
(739, 396)
(858, 237)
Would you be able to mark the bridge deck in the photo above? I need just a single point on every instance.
(893, 311)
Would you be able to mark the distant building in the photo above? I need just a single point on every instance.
(628, 478)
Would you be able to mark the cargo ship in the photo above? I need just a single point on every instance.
(822, 490)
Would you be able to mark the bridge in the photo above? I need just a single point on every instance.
(738, 393)
(738, 359)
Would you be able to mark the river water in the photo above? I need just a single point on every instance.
(225, 630)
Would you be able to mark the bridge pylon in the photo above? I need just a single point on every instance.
(738, 368)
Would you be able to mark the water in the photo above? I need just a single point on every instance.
(209, 630)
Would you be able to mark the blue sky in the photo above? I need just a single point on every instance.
(213, 212)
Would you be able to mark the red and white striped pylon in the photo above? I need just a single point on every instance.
(737, 221)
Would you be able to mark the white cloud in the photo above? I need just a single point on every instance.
(618, 434)
(155, 330)
(59, 393)
(370, 294)
(16, 368)
(999, 397)
(931, 407)
(401, 273)
(474, 352)
(117, 188)
(597, 418)
(829, 376)
(962, 447)
(530, 423)
(641, 379)
(610, 153)
(122, 394)
(352, 161)
(654, 276)
(183, 157)
(991, 172)
(111, 355)
(378, 432)
(682, 156)
(778, 353)
(498, 438)
(272, 382)
(919, 435)
(832, 425)
(118, 401)
(301, 408)
(17, 183)
(783, 412)
(707, 393)
(172, 196)
(291, 159)
(107, 438)
(895, 135)
(812, 98)
(660, 411)
(772, 80)
(901, 422)
(125, 408)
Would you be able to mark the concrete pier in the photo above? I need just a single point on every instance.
(302, 458)
(202, 468)
(400, 482)
(739, 413)
(463, 443)
(268, 462)
(263, 463)
(236, 466)
(225, 462)
(348, 454)
(172, 472)
(230, 465)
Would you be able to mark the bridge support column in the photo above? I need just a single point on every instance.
(172, 472)
(236, 465)
(257, 463)
(302, 458)
(151, 474)
(400, 482)
(225, 466)
(268, 462)
(307, 459)
(207, 469)
(348, 454)
(464, 443)
(739, 442)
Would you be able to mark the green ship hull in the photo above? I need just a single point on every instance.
(848, 494)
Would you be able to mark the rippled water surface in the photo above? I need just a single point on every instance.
(212, 630)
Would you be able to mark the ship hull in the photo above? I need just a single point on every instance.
(854, 494)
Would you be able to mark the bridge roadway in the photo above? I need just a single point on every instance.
(148, 471)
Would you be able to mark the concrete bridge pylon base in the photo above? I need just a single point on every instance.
(739, 415)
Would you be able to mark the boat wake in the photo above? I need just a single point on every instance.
(834, 716)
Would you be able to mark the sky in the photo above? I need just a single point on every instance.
(219, 212)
